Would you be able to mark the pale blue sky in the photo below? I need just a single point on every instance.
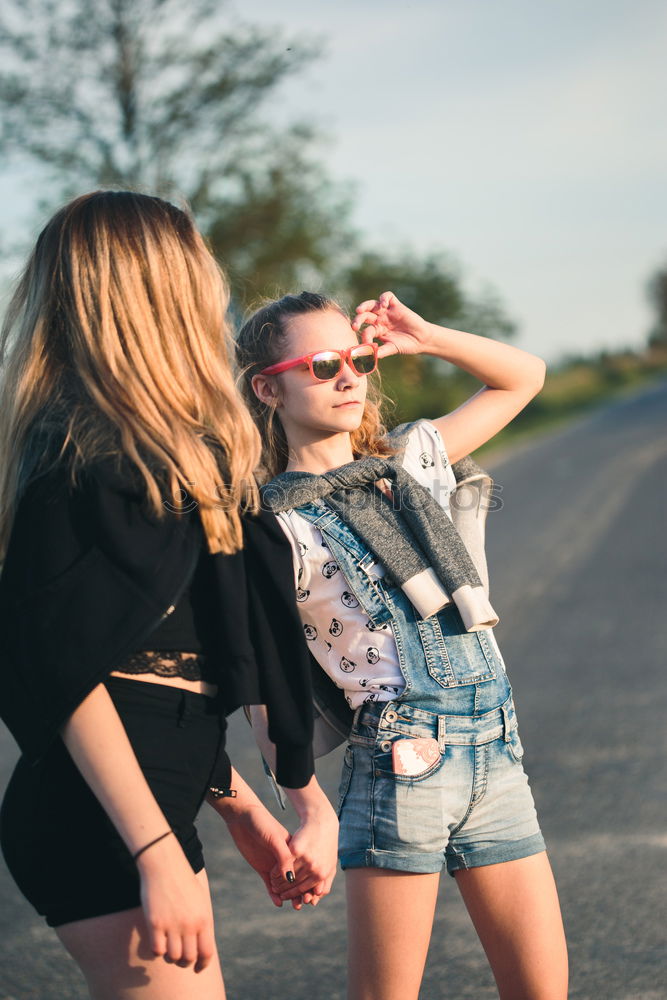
(528, 139)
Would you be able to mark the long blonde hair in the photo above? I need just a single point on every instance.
(260, 343)
(116, 340)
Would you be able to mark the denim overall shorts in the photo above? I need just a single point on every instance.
(471, 804)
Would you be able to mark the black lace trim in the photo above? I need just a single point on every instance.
(166, 663)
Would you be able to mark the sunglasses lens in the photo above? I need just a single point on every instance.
(326, 365)
(363, 359)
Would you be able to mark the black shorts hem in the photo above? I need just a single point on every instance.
(72, 912)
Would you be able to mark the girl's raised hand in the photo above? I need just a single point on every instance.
(400, 330)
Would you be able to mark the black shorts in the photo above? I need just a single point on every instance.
(59, 844)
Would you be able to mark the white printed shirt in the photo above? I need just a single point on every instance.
(358, 657)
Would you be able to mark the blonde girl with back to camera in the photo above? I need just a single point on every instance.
(140, 600)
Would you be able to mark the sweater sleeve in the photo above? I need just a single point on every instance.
(280, 648)
(87, 575)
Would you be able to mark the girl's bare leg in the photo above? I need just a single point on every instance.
(514, 907)
(113, 953)
(389, 923)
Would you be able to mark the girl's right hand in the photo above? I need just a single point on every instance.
(400, 330)
(176, 905)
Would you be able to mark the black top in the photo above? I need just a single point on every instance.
(178, 630)
(186, 628)
(187, 625)
(90, 573)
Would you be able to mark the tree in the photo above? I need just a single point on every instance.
(426, 285)
(431, 285)
(172, 97)
(657, 294)
(169, 97)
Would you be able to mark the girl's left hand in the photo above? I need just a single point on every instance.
(401, 330)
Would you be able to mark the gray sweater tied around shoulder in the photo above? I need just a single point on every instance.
(434, 559)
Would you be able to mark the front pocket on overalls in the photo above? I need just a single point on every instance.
(454, 656)
(383, 761)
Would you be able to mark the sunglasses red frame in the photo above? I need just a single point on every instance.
(344, 355)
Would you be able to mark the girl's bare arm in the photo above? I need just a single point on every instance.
(511, 377)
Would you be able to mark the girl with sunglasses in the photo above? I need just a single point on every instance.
(142, 599)
(391, 585)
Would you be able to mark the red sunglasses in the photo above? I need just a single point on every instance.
(325, 365)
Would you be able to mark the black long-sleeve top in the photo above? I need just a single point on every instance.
(90, 572)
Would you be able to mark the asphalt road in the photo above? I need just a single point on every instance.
(577, 558)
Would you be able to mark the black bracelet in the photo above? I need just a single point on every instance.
(150, 844)
(223, 793)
